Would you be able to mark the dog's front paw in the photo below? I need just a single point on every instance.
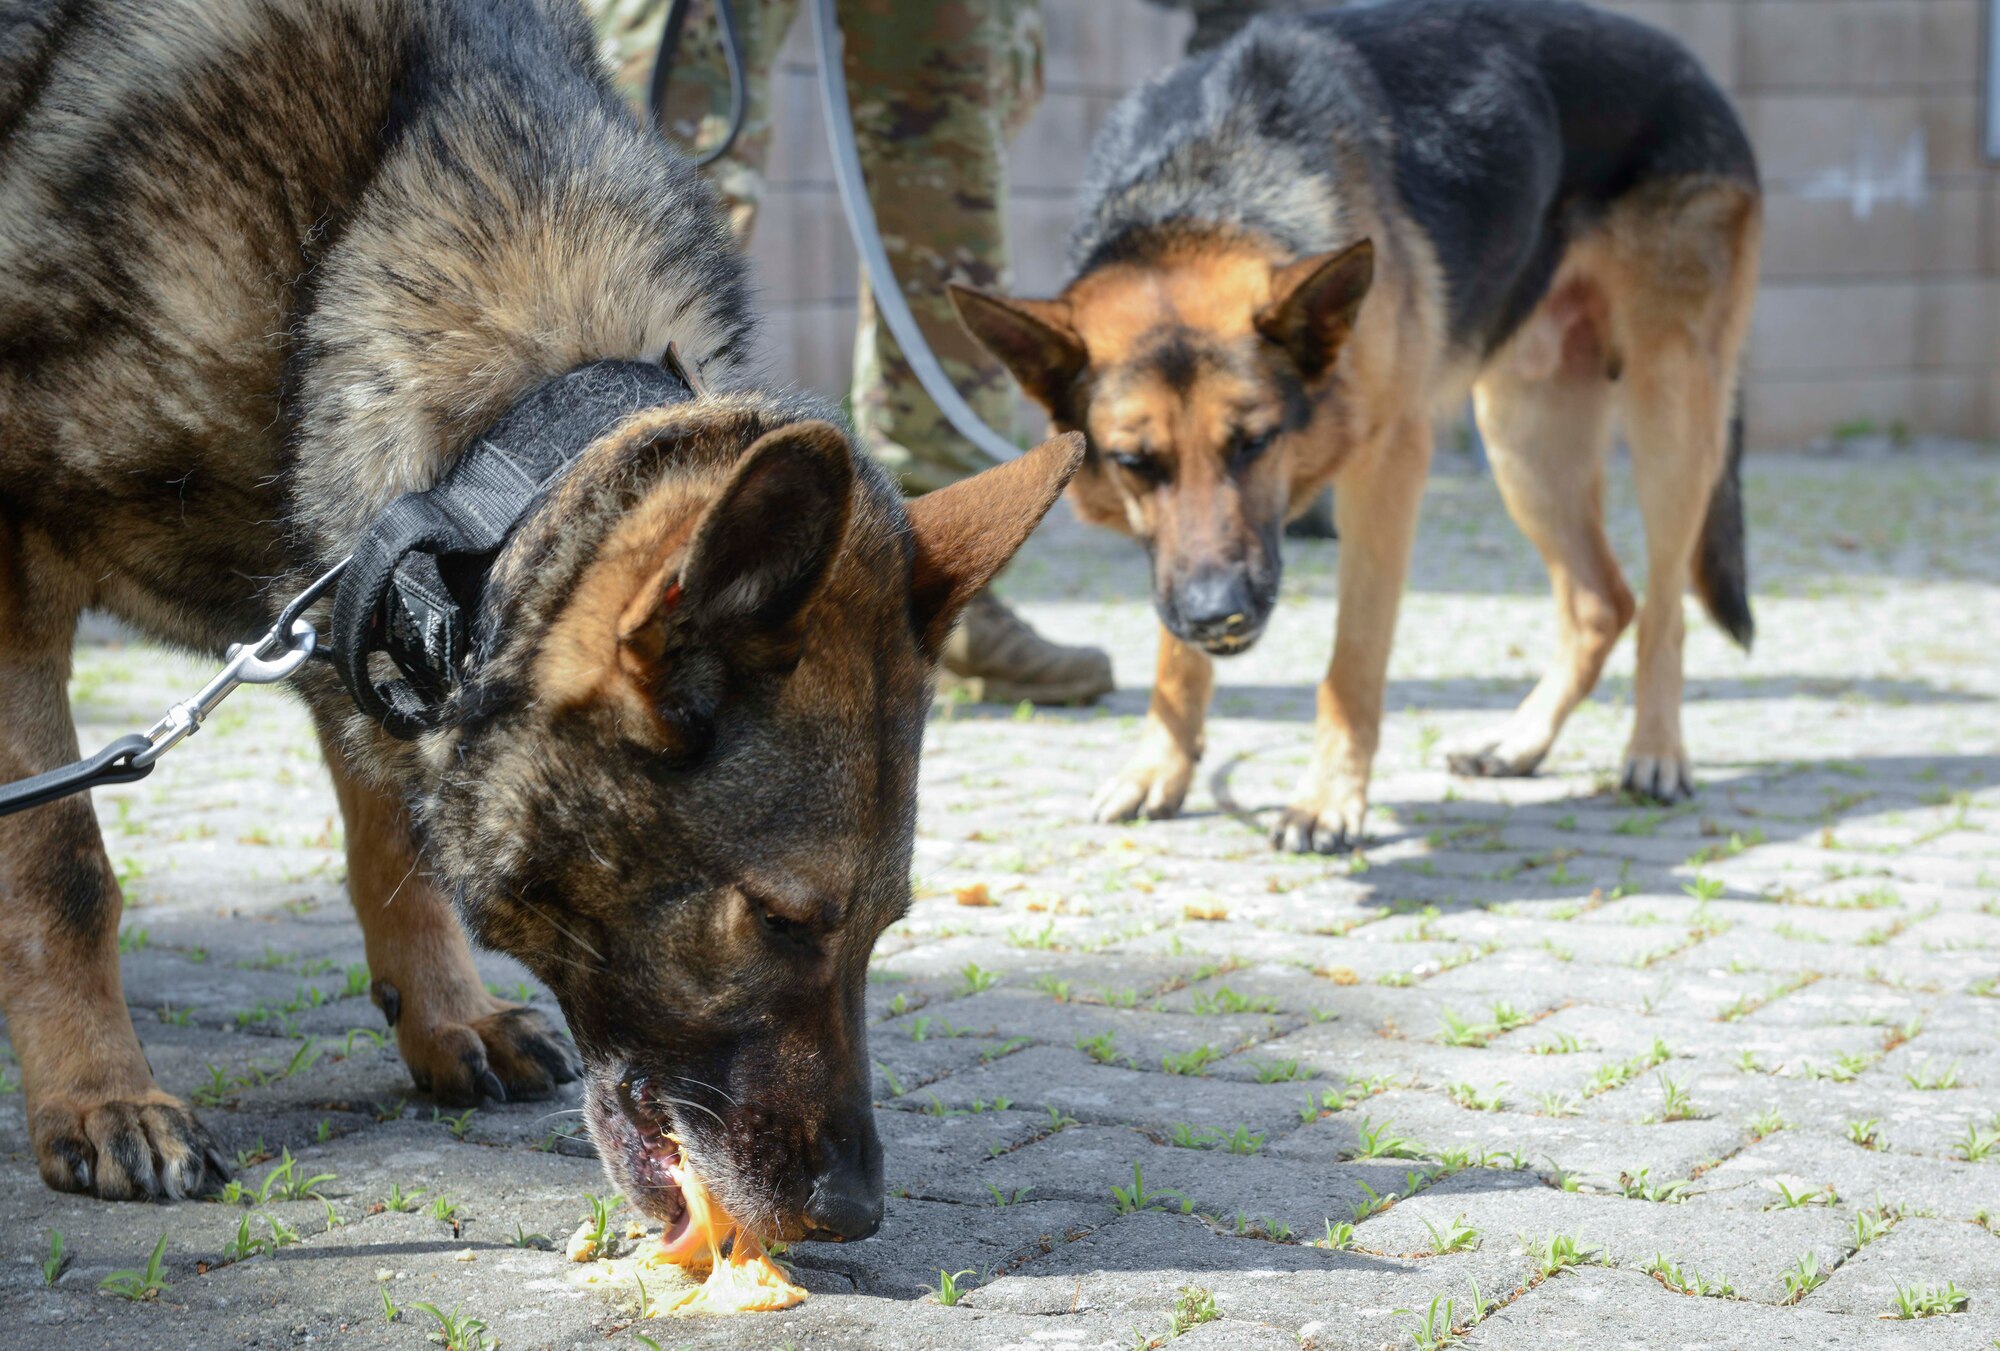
(1327, 823)
(142, 1147)
(1504, 752)
(1153, 784)
(504, 1052)
(1664, 776)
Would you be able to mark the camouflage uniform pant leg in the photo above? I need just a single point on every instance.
(938, 88)
(697, 110)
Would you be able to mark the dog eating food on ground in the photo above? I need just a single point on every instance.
(746, 1280)
(1295, 250)
(636, 684)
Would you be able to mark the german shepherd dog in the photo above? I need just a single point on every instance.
(1293, 251)
(264, 266)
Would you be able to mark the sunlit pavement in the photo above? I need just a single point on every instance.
(1539, 1064)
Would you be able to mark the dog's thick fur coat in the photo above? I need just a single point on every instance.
(264, 266)
(1294, 252)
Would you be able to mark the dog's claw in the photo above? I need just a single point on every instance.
(1152, 785)
(510, 1054)
(146, 1149)
(388, 1000)
(1663, 778)
(1301, 830)
(1322, 820)
(1495, 757)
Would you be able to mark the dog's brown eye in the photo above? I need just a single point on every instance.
(790, 931)
(1142, 465)
(1246, 448)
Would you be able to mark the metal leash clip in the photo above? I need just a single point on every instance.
(246, 666)
(130, 758)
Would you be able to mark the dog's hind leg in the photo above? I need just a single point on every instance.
(97, 1120)
(1678, 407)
(1546, 439)
(1680, 314)
(460, 1042)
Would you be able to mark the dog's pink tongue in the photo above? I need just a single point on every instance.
(691, 1243)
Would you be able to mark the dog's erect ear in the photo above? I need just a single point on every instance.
(684, 593)
(759, 550)
(1313, 305)
(966, 533)
(1031, 338)
(763, 545)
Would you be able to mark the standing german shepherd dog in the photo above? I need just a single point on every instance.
(1297, 249)
(264, 266)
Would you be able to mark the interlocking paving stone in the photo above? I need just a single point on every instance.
(1751, 1253)
(1815, 942)
(1596, 1310)
(1804, 1160)
(1135, 1266)
(1917, 1255)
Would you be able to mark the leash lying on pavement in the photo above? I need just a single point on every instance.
(413, 579)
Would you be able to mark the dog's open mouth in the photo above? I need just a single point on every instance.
(644, 1140)
(697, 1233)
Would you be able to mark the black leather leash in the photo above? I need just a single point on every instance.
(413, 581)
(113, 764)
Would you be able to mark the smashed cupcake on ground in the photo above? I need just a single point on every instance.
(743, 1280)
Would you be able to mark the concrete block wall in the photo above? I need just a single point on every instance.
(1881, 299)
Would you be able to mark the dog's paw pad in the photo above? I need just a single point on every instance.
(143, 1150)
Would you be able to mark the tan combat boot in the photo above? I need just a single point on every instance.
(995, 658)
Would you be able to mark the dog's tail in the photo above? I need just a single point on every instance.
(1721, 576)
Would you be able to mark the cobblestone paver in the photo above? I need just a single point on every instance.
(1549, 1067)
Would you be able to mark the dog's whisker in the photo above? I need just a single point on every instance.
(564, 930)
(698, 1083)
(400, 885)
(683, 1102)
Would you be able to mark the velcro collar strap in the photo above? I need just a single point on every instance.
(414, 580)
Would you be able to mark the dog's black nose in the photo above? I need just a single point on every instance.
(844, 1205)
(1215, 605)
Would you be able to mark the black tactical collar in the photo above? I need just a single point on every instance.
(413, 583)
